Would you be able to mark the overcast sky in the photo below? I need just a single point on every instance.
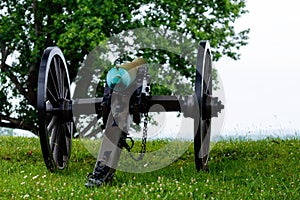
(263, 88)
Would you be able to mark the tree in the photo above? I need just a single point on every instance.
(77, 26)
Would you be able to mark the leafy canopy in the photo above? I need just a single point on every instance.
(27, 27)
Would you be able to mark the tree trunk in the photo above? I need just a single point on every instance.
(9, 122)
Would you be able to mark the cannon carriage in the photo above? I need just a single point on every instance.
(55, 105)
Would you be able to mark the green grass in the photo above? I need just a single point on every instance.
(267, 169)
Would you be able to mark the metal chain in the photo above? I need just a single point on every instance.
(145, 131)
(144, 140)
(146, 120)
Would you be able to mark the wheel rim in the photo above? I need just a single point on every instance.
(203, 92)
(54, 115)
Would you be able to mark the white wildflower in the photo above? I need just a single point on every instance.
(35, 177)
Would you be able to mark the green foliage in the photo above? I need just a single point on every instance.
(77, 26)
(267, 169)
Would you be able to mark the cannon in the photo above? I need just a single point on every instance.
(55, 106)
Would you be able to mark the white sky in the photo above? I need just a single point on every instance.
(263, 88)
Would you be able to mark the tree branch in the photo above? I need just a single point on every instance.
(9, 72)
(4, 52)
(7, 69)
(9, 122)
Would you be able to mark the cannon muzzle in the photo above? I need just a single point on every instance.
(119, 78)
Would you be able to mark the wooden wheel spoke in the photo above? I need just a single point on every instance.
(69, 136)
(64, 142)
(60, 75)
(66, 93)
(52, 123)
(69, 129)
(62, 146)
(208, 85)
(207, 76)
(51, 97)
(52, 85)
(62, 78)
(206, 137)
(53, 138)
(58, 70)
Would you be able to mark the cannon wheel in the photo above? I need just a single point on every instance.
(55, 126)
(203, 90)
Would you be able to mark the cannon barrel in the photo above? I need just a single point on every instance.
(120, 77)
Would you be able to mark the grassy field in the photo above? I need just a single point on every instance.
(267, 169)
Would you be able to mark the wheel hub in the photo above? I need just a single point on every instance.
(65, 110)
(211, 106)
